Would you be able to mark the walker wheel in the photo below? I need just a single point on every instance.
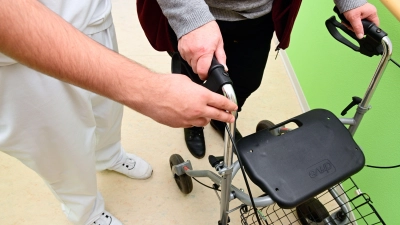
(266, 124)
(183, 181)
(312, 211)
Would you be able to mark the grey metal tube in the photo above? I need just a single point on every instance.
(364, 105)
(387, 53)
(204, 173)
(228, 153)
(240, 195)
(236, 168)
(226, 180)
(258, 202)
(347, 121)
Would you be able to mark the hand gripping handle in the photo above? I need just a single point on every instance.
(217, 77)
(370, 45)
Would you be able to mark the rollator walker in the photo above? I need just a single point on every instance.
(295, 167)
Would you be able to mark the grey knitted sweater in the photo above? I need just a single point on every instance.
(187, 15)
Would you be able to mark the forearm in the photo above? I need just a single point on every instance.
(185, 16)
(40, 39)
(346, 5)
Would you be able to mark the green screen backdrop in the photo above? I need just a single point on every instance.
(330, 74)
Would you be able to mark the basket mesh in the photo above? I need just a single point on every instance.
(325, 208)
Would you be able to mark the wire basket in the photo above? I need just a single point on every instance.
(344, 204)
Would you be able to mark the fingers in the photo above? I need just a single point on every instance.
(211, 113)
(374, 18)
(220, 108)
(203, 65)
(221, 102)
(187, 104)
(357, 28)
(220, 55)
(204, 62)
(347, 26)
(221, 115)
(199, 46)
(215, 106)
(200, 122)
(354, 16)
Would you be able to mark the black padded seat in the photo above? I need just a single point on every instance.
(302, 163)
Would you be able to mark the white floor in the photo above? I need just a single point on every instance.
(26, 200)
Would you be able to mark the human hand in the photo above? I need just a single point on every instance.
(200, 45)
(186, 104)
(354, 16)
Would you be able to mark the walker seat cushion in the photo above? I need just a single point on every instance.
(304, 162)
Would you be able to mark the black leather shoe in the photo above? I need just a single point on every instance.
(194, 138)
(220, 128)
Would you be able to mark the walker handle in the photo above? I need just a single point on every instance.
(217, 77)
(370, 45)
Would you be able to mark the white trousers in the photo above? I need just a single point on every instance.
(62, 132)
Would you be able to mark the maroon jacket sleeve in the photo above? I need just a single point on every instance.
(284, 13)
(154, 24)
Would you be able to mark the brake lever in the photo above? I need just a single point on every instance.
(332, 24)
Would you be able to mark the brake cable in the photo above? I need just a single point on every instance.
(397, 64)
(244, 174)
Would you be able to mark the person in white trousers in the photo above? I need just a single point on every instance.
(61, 95)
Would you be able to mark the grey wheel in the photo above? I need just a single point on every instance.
(266, 124)
(183, 181)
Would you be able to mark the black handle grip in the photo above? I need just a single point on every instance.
(217, 76)
(370, 29)
(370, 45)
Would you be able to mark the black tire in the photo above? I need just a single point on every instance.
(311, 211)
(266, 124)
(183, 181)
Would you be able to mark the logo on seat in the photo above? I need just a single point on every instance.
(321, 169)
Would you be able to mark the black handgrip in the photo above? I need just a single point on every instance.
(217, 77)
(370, 45)
(370, 29)
(367, 25)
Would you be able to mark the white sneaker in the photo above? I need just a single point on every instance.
(133, 167)
(107, 219)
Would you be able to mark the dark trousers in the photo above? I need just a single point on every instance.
(246, 44)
